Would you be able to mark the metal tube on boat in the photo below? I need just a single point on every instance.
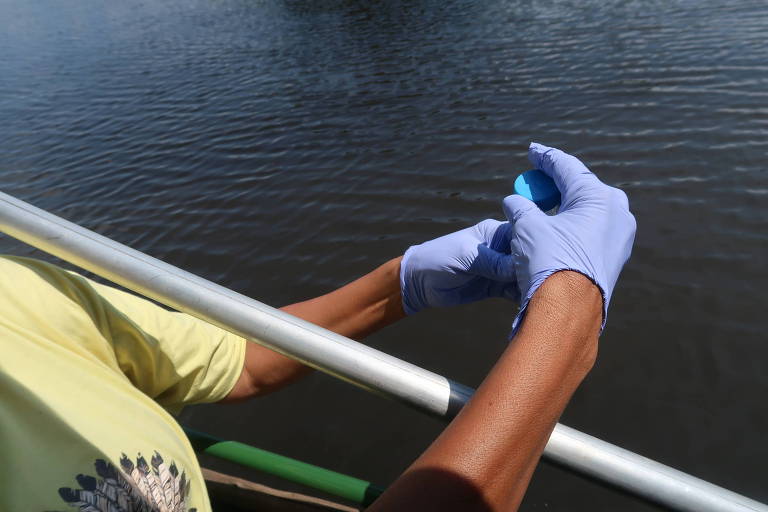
(344, 358)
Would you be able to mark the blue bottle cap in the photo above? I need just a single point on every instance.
(539, 188)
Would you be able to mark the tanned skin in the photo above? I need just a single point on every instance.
(355, 310)
(483, 461)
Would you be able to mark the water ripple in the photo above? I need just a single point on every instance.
(284, 147)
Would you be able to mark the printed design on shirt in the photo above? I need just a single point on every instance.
(130, 488)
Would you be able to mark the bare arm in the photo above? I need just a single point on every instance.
(485, 458)
(465, 266)
(565, 268)
(355, 311)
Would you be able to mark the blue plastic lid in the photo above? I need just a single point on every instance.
(539, 188)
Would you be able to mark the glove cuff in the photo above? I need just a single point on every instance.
(406, 291)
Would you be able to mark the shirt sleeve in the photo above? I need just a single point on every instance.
(172, 357)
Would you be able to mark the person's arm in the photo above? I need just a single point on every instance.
(484, 459)
(465, 266)
(355, 311)
(566, 266)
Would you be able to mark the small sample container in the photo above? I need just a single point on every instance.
(539, 188)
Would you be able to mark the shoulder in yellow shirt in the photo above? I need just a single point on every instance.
(88, 375)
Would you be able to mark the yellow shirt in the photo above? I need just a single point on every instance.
(87, 374)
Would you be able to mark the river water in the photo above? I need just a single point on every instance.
(283, 148)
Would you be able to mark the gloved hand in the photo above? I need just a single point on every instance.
(465, 266)
(592, 233)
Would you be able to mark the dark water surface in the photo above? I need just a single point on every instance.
(283, 148)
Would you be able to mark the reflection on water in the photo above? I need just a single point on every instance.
(283, 148)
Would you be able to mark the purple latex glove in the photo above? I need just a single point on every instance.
(465, 266)
(592, 232)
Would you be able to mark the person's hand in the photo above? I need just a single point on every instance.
(592, 232)
(465, 266)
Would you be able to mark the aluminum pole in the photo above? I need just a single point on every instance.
(344, 358)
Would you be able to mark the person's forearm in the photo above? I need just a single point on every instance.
(359, 308)
(484, 460)
(355, 310)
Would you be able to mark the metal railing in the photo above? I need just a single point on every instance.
(346, 359)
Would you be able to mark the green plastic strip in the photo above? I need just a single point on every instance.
(331, 482)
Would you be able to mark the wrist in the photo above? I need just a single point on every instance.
(569, 293)
(392, 296)
(567, 309)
